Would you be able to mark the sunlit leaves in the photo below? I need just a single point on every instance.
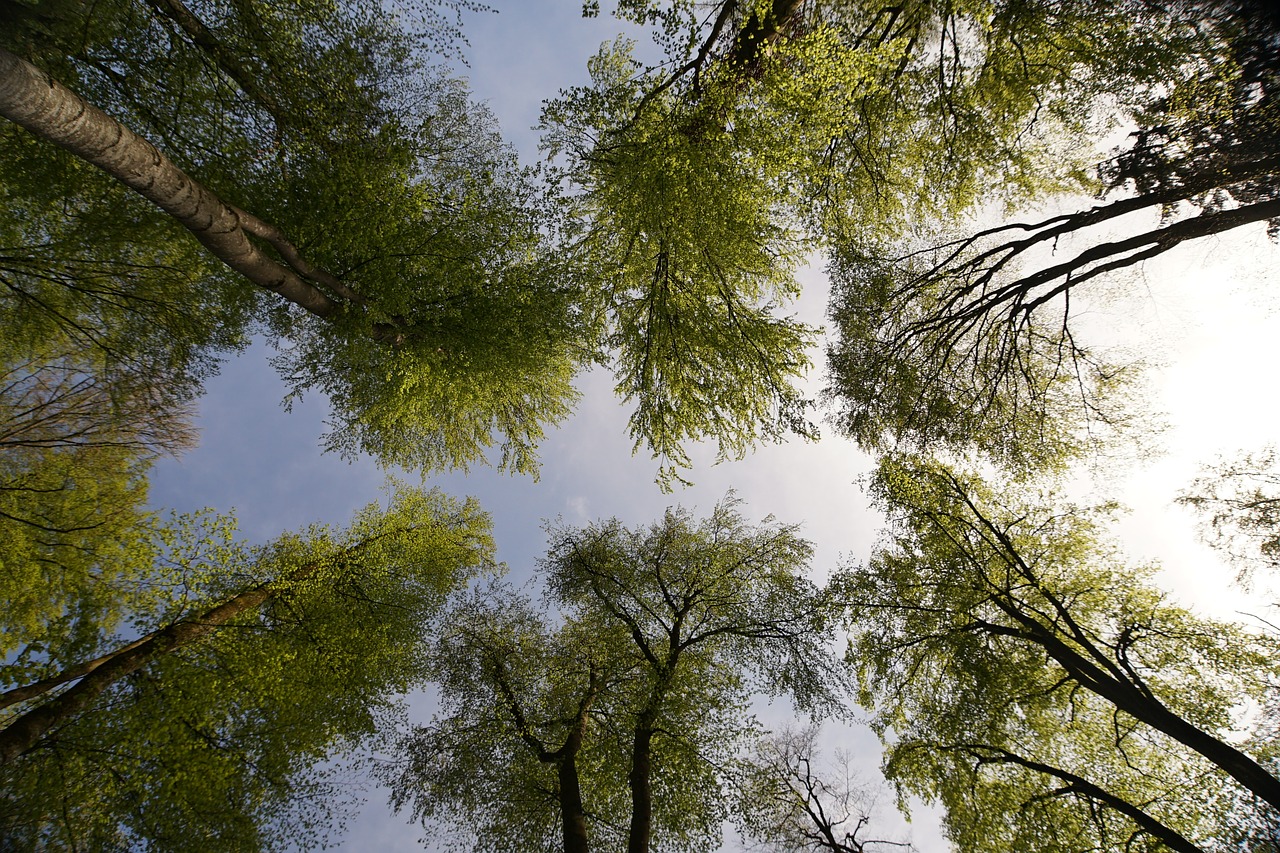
(220, 742)
(965, 625)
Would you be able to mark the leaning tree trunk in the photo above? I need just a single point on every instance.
(1148, 709)
(1082, 787)
(35, 101)
(99, 674)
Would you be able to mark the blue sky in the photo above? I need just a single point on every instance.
(1212, 323)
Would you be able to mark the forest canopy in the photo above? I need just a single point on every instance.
(183, 179)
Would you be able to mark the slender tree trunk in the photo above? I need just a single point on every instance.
(26, 692)
(1170, 837)
(99, 674)
(32, 99)
(640, 781)
(573, 817)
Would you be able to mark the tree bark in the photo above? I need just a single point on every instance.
(757, 32)
(26, 692)
(573, 815)
(35, 101)
(641, 785)
(99, 674)
(1151, 711)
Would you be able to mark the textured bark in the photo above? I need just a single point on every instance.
(35, 101)
(641, 789)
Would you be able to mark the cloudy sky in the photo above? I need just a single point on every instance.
(1205, 312)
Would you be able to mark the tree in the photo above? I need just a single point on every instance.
(1045, 693)
(77, 434)
(522, 735)
(73, 526)
(1241, 509)
(462, 264)
(966, 337)
(641, 685)
(789, 804)
(258, 665)
(771, 130)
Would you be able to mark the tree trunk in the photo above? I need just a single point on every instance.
(35, 101)
(1170, 837)
(25, 692)
(758, 31)
(1151, 711)
(641, 789)
(23, 733)
(573, 816)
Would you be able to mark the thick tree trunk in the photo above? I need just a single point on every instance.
(572, 814)
(757, 32)
(641, 789)
(35, 101)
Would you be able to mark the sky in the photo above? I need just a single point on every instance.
(1207, 312)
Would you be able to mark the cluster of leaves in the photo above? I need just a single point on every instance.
(774, 129)
(293, 651)
(963, 337)
(1045, 693)
(613, 714)
(448, 322)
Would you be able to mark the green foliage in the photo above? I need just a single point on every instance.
(965, 337)
(647, 646)
(957, 624)
(679, 225)
(477, 330)
(220, 745)
(73, 529)
(774, 129)
(499, 656)
(728, 590)
(459, 327)
(1239, 505)
(913, 366)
